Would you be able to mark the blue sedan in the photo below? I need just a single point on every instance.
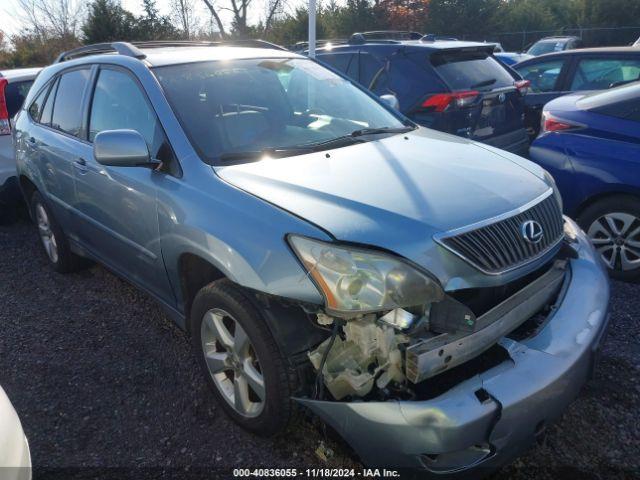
(590, 143)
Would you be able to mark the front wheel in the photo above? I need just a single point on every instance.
(613, 225)
(240, 359)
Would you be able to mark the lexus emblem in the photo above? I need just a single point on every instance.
(532, 231)
(502, 97)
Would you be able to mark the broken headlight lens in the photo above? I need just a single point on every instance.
(354, 280)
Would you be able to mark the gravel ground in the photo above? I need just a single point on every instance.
(105, 384)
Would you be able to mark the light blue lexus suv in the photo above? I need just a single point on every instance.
(419, 292)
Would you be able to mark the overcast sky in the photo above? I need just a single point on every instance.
(10, 18)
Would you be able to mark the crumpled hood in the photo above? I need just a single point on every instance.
(401, 189)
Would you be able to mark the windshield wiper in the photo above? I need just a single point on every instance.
(353, 137)
(484, 83)
(373, 131)
(253, 155)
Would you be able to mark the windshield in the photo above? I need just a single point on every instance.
(548, 46)
(233, 110)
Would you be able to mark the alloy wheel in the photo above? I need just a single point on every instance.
(616, 237)
(232, 362)
(46, 234)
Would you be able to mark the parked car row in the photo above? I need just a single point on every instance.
(421, 292)
(452, 86)
(461, 95)
(556, 74)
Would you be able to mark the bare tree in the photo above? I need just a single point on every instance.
(214, 13)
(275, 6)
(184, 14)
(57, 18)
(239, 9)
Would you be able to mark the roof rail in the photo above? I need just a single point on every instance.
(132, 49)
(430, 37)
(255, 43)
(320, 43)
(386, 36)
(122, 48)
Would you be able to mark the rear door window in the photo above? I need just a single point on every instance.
(15, 94)
(372, 73)
(543, 76)
(67, 110)
(35, 109)
(600, 74)
(339, 61)
(471, 70)
(47, 110)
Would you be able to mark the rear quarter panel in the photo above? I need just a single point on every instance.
(603, 158)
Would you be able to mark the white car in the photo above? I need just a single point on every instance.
(15, 458)
(14, 86)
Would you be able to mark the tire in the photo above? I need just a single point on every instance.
(230, 366)
(53, 239)
(8, 213)
(613, 224)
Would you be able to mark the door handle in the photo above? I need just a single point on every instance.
(81, 165)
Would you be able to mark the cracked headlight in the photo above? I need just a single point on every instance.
(355, 280)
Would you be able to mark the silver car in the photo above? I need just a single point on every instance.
(14, 87)
(420, 292)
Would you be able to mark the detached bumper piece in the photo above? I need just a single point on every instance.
(490, 418)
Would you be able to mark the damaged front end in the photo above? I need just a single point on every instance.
(465, 379)
(398, 350)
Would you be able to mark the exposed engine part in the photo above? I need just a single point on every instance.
(324, 319)
(368, 355)
(399, 318)
(320, 377)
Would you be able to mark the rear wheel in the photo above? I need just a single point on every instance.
(53, 239)
(613, 224)
(240, 359)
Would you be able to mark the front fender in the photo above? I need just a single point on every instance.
(239, 234)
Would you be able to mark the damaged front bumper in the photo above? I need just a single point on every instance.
(490, 418)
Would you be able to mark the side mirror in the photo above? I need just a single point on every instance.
(122, 148)
(391, 100)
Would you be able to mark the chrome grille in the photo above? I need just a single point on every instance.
(500, 246)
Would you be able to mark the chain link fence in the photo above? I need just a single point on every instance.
(592, 36)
